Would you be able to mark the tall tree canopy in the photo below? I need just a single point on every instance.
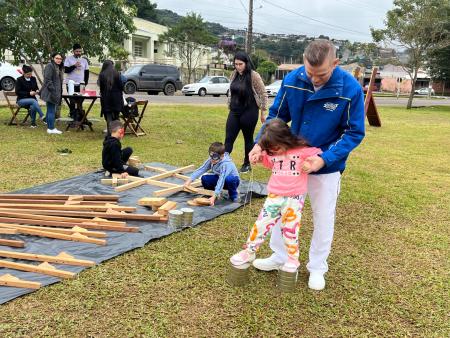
(420, 26)
(33, 29)
(144, 9)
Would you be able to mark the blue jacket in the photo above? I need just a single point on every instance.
(225, 167)
(331, 119)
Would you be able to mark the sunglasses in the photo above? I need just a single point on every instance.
(214, 156)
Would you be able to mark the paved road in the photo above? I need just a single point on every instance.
(210, 100)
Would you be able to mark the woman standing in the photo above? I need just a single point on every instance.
(247, 97)
(111, 91)
(51, 91)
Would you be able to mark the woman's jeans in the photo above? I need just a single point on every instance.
(50, 117)
(34, 107)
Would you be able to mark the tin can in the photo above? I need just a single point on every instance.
(287, 281)
(188, 216)
(175, 219)
(238, 275)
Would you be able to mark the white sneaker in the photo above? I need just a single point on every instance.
(316, 281)
(54, 131)
(267, 264)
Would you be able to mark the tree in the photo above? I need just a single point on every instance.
(144, 9)
(419, 26)
(267, 69)
(189, 40)
(34, 29)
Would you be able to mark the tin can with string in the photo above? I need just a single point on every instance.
(238, 275)
(188, 216)
(287, 281)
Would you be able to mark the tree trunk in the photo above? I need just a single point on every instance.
(413, 85)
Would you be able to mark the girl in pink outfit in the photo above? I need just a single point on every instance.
(285, 154)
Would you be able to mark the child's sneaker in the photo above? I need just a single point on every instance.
(242, 257)
(291, 265)
(33, 125)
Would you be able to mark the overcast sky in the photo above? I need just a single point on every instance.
(340, 19)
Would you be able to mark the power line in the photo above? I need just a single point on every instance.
(243, 6)
(312, 19)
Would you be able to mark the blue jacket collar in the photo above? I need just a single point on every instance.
(333, 88)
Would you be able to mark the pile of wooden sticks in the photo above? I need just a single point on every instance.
(66, 217)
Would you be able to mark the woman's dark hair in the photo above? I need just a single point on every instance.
(53, 55)
(108, 75)
(278, 134)
(245, 92)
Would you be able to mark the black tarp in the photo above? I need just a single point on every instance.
(117, 242)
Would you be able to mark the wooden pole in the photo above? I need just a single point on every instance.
(63, 197)
(62, 258)
(10, 280)
(43, 268)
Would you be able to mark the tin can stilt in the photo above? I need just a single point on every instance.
(287, 281)
(188, 216)
(175, 219)
(238, 275)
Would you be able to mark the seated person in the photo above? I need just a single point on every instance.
(26, 91)
(224, 173)
(114, 159)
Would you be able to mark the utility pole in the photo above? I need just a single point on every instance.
(249, 40)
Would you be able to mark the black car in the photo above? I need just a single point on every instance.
(152, 78)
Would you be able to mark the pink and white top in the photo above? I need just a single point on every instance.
(287, 177)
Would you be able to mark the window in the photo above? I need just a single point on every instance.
(215, 80)
(138, 49)
(223, 80)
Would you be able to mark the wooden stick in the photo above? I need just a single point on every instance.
(29, 214)
(166, 207)
(10, 280)
(62, 258)
(63, 197)
(6, 231)
(107, 215)
(71, 231)
(43, 268)
(69, 207)
(162, 170)
(152, 201)
(12, 243)
(76, 237)
(32, 201)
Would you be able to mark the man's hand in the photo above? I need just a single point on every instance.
(78, 64)
(212, 200)
(313, 164)
(255, 154)
(187, 183)
(263, 116)
(32, 93)
(124, 175)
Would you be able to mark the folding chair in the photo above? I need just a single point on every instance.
(15, 109)
(134, 122)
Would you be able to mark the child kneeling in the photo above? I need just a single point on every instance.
(224, 173)
(285, 154)
(114, 159)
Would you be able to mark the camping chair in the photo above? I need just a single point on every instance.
(14, 107)
(133, 122)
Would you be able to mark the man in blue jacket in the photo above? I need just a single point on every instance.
(325, 105)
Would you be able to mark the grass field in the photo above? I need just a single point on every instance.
(389, 267)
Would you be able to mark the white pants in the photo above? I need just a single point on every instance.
(323, 191)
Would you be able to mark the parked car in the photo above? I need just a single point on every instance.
(273, 88)
(209, 85)
(153, 79)
(8, 76)
(424, 91)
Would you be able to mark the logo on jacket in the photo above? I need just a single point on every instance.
(330, 106)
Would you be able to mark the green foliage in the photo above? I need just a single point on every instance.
(144, 9)
(189, 39)
(266, 69)
(34, 29)
(418, 26)
(282, 50)
(439, 64)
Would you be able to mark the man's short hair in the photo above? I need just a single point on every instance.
(318, 51)
(217, 147)
(115, 126)
(76, 46)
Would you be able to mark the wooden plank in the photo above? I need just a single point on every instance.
(76, 237)
(10, 280)
(110, 181)
(32, 201)
(118, 215)
(172, 172)
(69, 207)
(152, 201)
(166, 207)
(69, 231)
(163, 184)
(162, 170)
(130, 185)
(168, 191)
(8, 231)
(62, 258)
(43, 268)
(63, 197)
(12, 243)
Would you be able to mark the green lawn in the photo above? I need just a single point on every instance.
(389, 267)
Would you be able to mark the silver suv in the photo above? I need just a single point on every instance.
(152, 78)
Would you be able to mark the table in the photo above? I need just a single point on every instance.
(78, 99)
